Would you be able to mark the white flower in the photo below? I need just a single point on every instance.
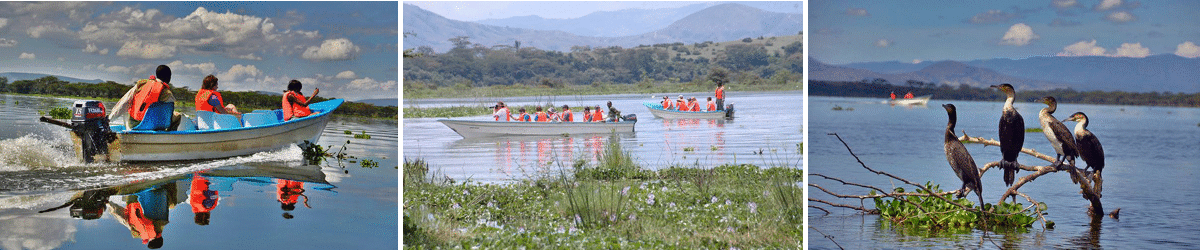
(727, 203)
(625, 191)
(753, 207)
(714, 200)
(455, 206)
(650, 200)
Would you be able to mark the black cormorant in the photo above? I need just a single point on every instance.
(1089, 147)
(1057, 133)
(960, 160)
(1012, 135)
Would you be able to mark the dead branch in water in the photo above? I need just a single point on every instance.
(1090, 184)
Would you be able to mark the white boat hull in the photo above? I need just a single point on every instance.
(658, 111)
(138, 145)
(472, 129)
(920, 100)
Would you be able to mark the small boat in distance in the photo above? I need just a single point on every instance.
(920, 100)
(473, 129)
(658, 111)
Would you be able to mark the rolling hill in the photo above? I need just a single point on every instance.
(603, 23)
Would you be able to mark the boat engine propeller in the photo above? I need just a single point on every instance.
(90, 123)
(729, 111)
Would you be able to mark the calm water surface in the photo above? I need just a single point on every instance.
(269, 200)
(769, 122)
(1151, 155)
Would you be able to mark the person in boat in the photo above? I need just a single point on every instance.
(681, 104)
(712, 106)
(720, 95)
(893, 95)
(666, 103)
(501, 111)
(552, 115)
(909, 95)
(202, 200)
(613, 114)
(587, 114)
(137, 100)
(523, 116)
(695, 104)
(145, 213)
(597, 115)
(540, 116)
(288, 193)
(208, 99)
(566, 115)
(295, 105)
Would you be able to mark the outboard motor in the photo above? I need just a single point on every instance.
(90, 124)
(729, 111)
(630, 117)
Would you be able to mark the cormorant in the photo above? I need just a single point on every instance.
(1057, 134)
(1089, 147)
(960, 160)
(1012, 135)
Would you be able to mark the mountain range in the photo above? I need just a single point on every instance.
(603, 23)
(17, 76)
(1162, 73)
(722, 22)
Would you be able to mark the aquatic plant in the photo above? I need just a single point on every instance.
(936, 213)
(347, 132)
(363, 135)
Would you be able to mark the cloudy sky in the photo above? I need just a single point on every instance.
(911, 31)
(348, 49)
(480, 10)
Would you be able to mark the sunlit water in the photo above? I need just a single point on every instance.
(331, 207)
(768, 122)
(1151, 155)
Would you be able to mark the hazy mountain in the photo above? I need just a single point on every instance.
(17, 76)
(717, 23)
(1161, 73)
(945, 72)
(386, 102)
(604, 23)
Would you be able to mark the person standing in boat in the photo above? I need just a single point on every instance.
(208, 99)
(566, 115)
(295, 105)
(202, 200)
(712, 106)
(145, 92)
(501, 111)
(720, 95)
(613, 114)
(893, 95)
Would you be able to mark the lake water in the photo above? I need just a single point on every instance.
(1151, 160)
(269, 200)
(767, 121)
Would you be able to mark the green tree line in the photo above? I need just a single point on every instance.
(475, 65)
(245, 100)
(881, 88)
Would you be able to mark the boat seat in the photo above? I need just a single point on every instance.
(261, 111)
(223, 121)
(278, 115)
(257, 119)
(157, 117)
(186, 124)
(204, 119)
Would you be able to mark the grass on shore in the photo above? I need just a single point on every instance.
(612, 204)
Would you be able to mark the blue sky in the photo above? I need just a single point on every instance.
(348, 49)
(480, 10)
(911, 31)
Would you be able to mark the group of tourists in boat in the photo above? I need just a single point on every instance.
(693, 105)
(157, 88)
(501, 113)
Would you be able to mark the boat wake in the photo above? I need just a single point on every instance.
(30, 152)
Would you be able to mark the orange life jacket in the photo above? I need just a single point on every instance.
(712, 106)
(681, 105)
(567, 116)
(908, 96)
(202, 97)
(598, 116)
(695, 106)
(288, 191)
(587, 116)
(541, 117)
(149, 94)
(197, 195)
(294, 110)
(721, 92)
(138, 221)
(666, 104)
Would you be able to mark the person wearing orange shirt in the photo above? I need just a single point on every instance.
(566, 115)
(587, 114)
(666, 103)
(695, 105)
(208, 99)
(681, 105)
(295, 105)
(523, 116)
(598, 115)
(720, 95)
(893, 95)
(541, 116)
(909, 95)
(712, 106)
(202, 200)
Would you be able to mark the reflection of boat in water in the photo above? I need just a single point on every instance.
(471, 129)
(920, 100)
(658, 111)
(259, 131)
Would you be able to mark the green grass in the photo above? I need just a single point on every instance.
(455, 111)
(611, 204)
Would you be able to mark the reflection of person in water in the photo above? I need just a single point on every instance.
(145, 213)
(288, 193)
(202, 200)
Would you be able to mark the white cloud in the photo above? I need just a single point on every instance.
(883, 43)
(1107, 5)
(347, 75)
(250, 56)
(916, 61)
(1132, 50)
(1019, 35)
(857, 12)
(1120, 17)
(992, 16)
(91, 48)
(370, 84)
(1064, 4)
(240, 72)
(225, 29)
(29, 56)
(4, 42)
(200, 68)
(49, 31)
(1187, 49)
(332, 49)
(146, 50)
(3, 22)
(116, 69)
(1083, 48)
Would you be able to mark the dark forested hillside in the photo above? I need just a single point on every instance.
(880, 88)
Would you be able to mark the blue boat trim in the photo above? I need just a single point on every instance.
(325, 108)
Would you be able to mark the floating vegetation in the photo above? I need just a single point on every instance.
(840, 108)
(363, 135)
(931, 212)
(1033, 130)
(689, 149)
(368, 163)
(348, 132)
